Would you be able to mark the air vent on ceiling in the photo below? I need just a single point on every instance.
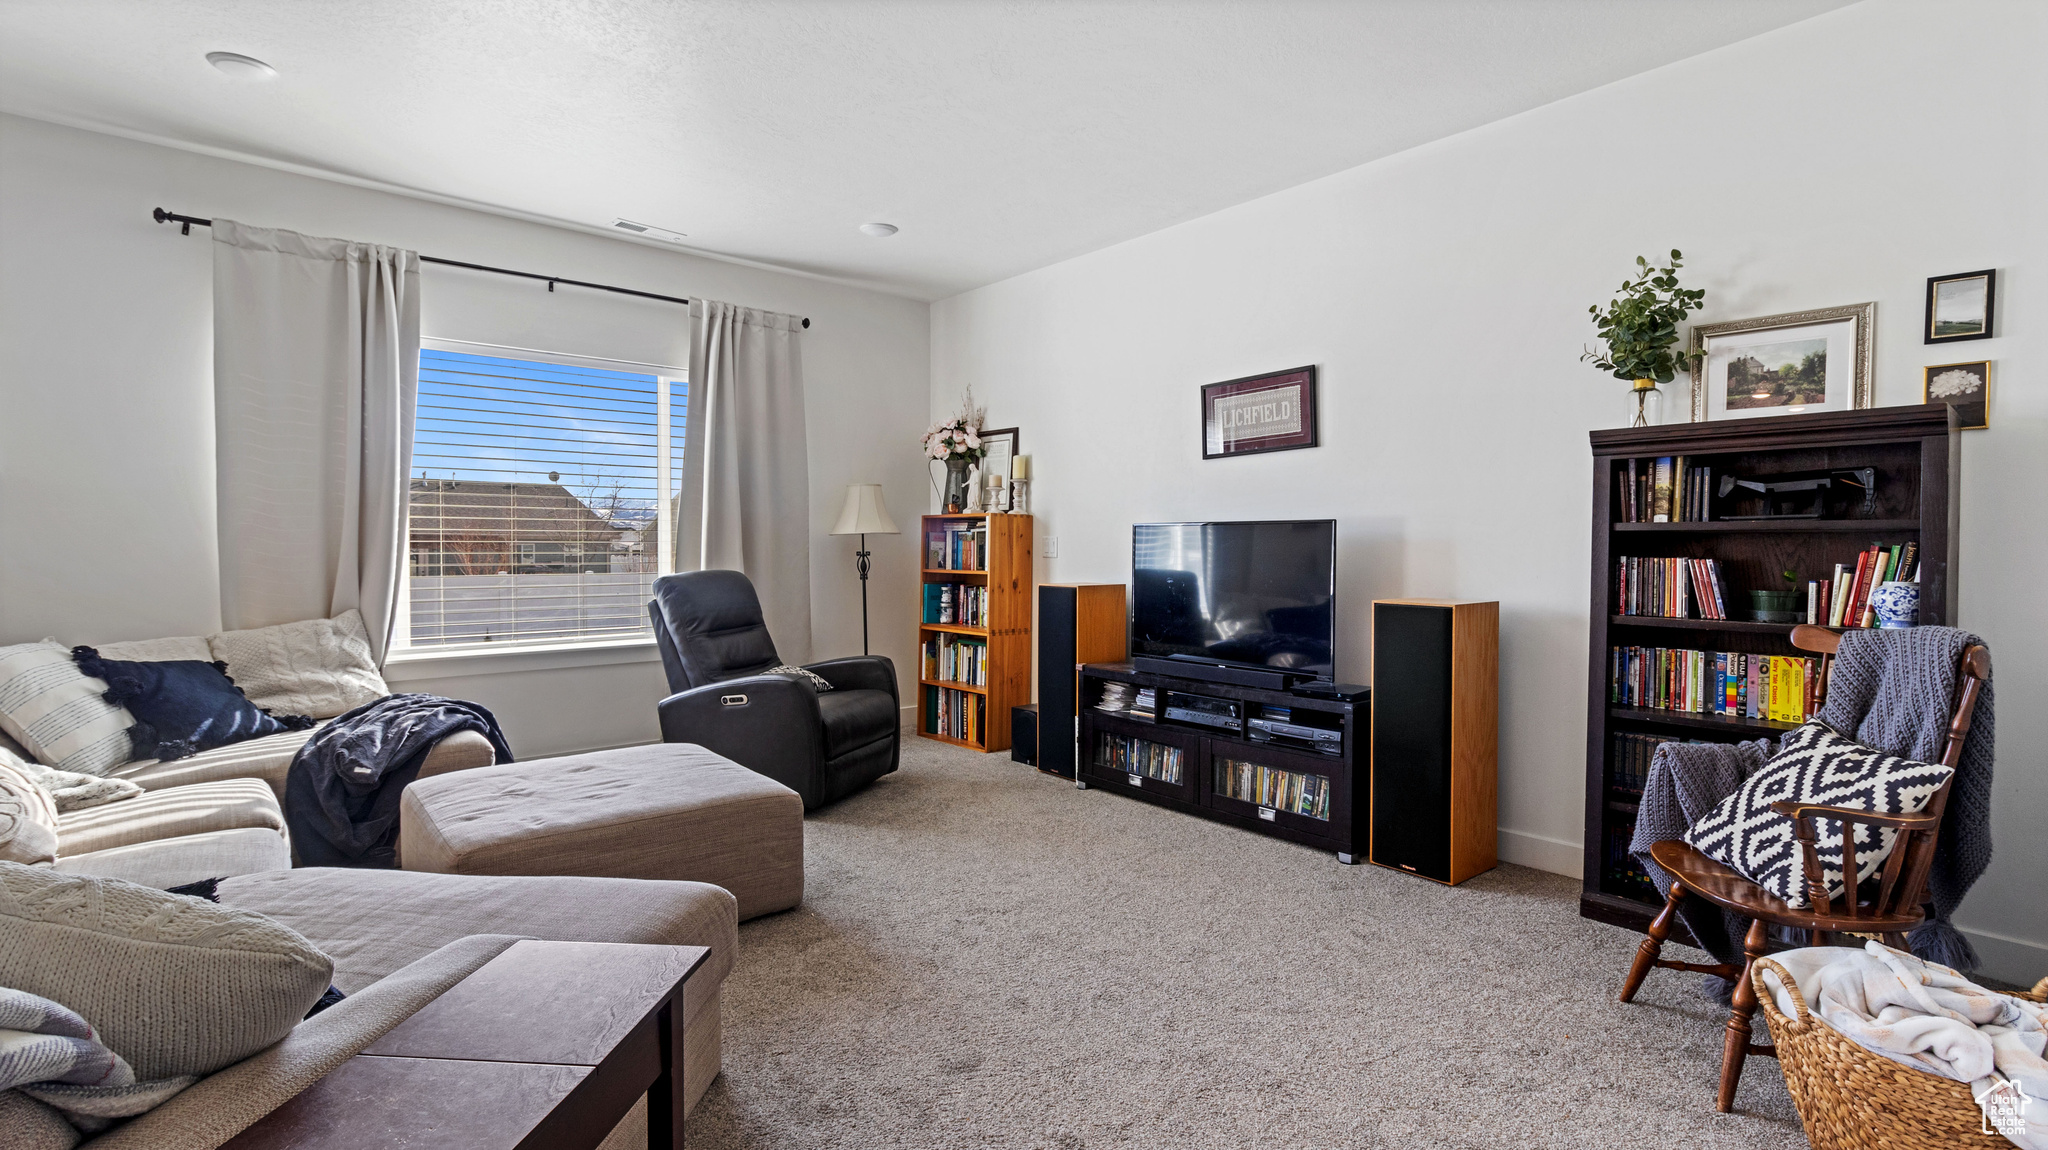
(648, 230)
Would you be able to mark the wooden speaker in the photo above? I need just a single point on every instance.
(1077, 623)
(1435, 734)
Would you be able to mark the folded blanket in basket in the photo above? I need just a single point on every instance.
(1928, 1017)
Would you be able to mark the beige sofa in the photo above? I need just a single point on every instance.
(207, 816)
(385, 932)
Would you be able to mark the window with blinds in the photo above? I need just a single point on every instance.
(542, 495)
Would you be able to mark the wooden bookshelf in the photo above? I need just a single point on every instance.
(1915, 453)
(1005, 572)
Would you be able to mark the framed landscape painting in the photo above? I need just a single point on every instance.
(1959, 307)
(1786, 364)
(1272, 412)
(1963, 386)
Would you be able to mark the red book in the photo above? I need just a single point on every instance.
(1859, 591)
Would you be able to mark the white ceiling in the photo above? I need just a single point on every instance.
(1000, 136)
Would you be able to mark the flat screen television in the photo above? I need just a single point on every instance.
(1254, 594)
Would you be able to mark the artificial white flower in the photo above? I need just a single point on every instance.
(1950, 383)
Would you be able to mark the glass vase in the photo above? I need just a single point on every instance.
(1645, 404)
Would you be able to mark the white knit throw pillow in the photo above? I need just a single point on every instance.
(176, 985)
(318, 667)
(28, 815)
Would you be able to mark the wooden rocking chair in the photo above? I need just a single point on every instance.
(1887, 907)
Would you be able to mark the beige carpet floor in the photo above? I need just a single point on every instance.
(988, 957)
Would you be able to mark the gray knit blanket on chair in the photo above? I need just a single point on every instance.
(1892, 690)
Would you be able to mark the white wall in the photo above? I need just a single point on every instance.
(106, 411)
(1443, 292)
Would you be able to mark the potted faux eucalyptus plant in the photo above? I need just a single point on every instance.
(1639, 335)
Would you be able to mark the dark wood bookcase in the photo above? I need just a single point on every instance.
(1914, 452)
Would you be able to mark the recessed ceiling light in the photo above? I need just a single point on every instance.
(649, 231)
(241, 67)
(878, 230)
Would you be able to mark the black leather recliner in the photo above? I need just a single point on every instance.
(824, 745)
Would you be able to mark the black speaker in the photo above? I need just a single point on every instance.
(1024, 734)
(1077, 623)
(1435, 670)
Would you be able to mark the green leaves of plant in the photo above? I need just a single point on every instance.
(1640, 326)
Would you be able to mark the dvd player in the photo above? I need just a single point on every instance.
(1324, 739)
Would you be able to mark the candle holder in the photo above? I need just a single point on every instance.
(1020, 497)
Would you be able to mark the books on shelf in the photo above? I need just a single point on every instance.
(1292, 791)
(1139, 757)
(1664, 489)
(956, 660)
(1737, 684)
(1849, 602)
(959, 715)
(1671, 588)
(960, 547)
(1632, 753)
(958, 604)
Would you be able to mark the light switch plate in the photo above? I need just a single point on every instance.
(1049, 547)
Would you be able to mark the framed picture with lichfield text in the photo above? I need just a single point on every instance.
(1960, 306)
(1798, 361)
(1271, 412)
(1963, 386)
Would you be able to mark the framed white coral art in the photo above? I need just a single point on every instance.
(1963, 386)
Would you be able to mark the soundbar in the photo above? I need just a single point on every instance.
(1190, 667)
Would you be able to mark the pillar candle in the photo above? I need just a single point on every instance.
(1020, 467)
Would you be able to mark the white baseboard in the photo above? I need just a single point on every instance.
(1542, 852)
(909, 719)
(2008, 959)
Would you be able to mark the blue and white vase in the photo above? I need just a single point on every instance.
(1897, 604)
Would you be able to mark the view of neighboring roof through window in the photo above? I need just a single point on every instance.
(541, 497)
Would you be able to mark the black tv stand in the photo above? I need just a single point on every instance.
(1217, 671)
(1291, 789)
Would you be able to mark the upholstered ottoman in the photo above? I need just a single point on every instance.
(662, 811)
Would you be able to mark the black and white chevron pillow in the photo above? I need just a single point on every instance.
(1813, 765)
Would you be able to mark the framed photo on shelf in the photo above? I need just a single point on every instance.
(1963, 386)
(1785, 364)
(1959, 307)
(1001, 444)
(1272, 412)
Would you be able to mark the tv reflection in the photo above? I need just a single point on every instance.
(1253, 593)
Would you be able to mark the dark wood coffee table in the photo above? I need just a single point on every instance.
(547, 1045)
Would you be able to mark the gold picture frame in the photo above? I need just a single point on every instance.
(1848, 332)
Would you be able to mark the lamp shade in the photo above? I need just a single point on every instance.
(865, 513)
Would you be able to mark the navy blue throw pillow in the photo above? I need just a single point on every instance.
(182, 707)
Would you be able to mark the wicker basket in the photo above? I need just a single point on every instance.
(1851, 1099)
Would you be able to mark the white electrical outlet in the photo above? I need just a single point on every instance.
(1049, 547)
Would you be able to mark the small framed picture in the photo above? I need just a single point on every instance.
(1963, 386)
(1272, 412)
(1786, 364)
(1001, 446)
(1959, 307)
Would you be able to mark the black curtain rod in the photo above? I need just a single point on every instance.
(185, 229)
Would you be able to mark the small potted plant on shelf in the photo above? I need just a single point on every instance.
(957, 442)
(1773, 606)
(1639, 335)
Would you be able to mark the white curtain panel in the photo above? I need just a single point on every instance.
(316, 352)
(746, 497)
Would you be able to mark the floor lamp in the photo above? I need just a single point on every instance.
(864, 514)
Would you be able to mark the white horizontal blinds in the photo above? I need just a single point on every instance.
(536, 496)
